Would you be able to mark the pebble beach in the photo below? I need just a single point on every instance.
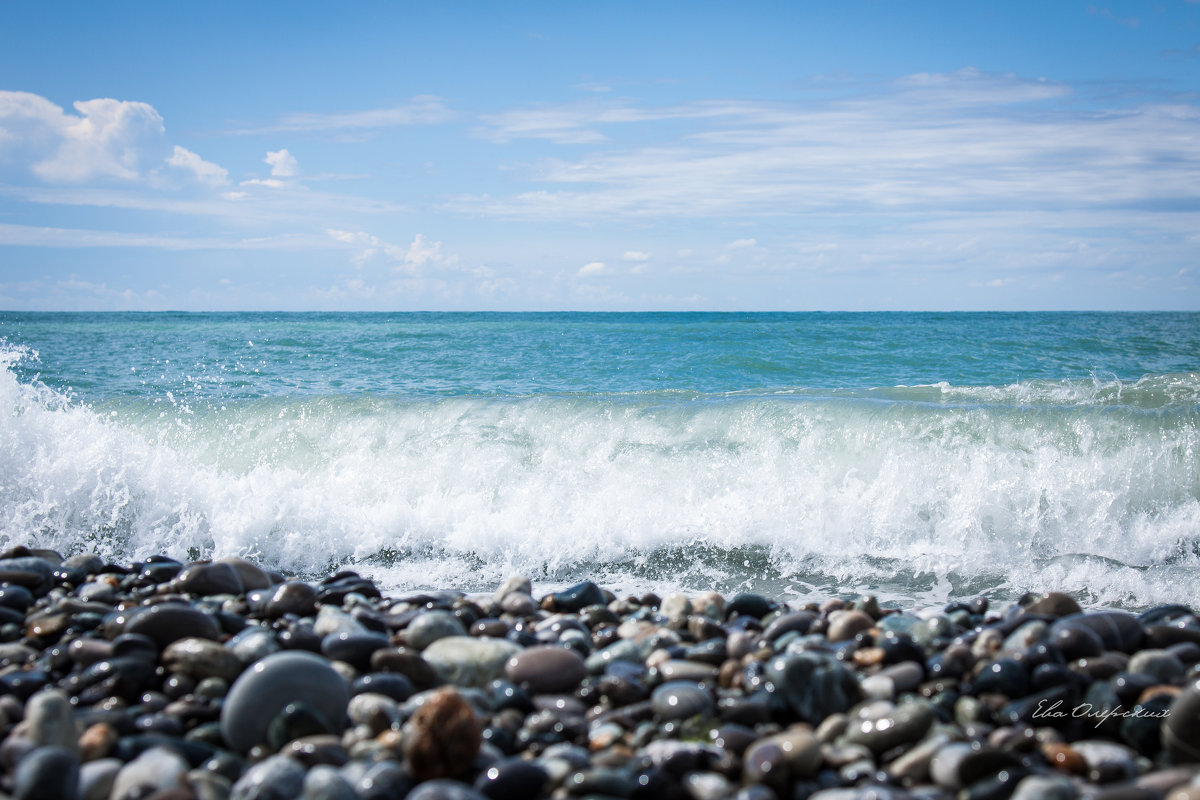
(221, 679)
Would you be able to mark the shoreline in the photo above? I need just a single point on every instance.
(214, 680)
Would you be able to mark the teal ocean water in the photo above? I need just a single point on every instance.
(918, 456)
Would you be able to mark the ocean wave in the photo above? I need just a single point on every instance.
(899, 491)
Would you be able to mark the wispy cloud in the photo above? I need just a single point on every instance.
(926, 143)
(421, 110)
(34, 236)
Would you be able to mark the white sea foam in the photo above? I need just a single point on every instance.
(795, 493)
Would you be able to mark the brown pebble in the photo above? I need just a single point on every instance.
(1156, 691)
(443, 737)
(97, 741)
(868, 656)
(845, 625)
(731, 674)
(1054, 604)
(1062, 757)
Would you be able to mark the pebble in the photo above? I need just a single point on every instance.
(156, 769)
(546, 669)
(270, 685)
(47, 773)
(680, 700)
(52, 720)
(430, 626)
(442, 737)
(470, 660)
(220, 681)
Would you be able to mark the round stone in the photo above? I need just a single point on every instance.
(814, 685)
(430, 626)
(470, 660)
(169, 622)
(392, 684)
(155, 769)
(546, 669)
(1181, 728)
(270, 685)
(200, 659)
(680, 700)
(48, 773)
(354, 649)
(512, 779)
(1161, 665)
(1118, 630)
(1003, 676)
(898, 725)
(275, 778)
(324, 782)
(574, 598)
(1053, 604)
(292, 597)
(844, 625)
(443, 789)
(51, 720)
(207, 578)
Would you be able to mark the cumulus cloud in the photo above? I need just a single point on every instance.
(283, 164)
(106, 138)
(591, 269)
(635, 255)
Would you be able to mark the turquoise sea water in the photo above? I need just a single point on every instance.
(919, 456)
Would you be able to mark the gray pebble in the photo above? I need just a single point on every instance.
(430, 626)
(470, 660)
(275, 778)
(324, 782)
(680, 700)
(269, 685)
(48, 773)
(155, 769)
(52, 720)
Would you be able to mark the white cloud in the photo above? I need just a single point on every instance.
(283, 164)
(927, 143)
(106, 139)
(592, 268)
(422, 251)
(205, 171)
(418, 254)
(421, 110)
(742, 244)
(33, 236)
(270, 183)
(635, 255)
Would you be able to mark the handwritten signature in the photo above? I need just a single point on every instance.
(1053, 711)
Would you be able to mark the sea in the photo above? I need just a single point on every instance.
(920, 457)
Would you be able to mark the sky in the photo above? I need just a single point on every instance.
(844, 155)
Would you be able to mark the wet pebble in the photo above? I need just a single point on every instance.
(268, 686)
(546, 669)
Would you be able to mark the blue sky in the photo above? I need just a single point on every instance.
(600, 156)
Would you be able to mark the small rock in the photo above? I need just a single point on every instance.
(48, 773)
(269, 685)
(442, 737)
(546, 669)
(275, 778)
(470, 660)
